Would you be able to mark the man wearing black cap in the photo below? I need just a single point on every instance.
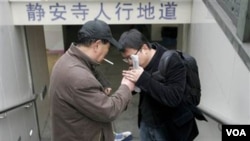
(80, 109)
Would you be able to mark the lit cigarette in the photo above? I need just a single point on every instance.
(108, 61)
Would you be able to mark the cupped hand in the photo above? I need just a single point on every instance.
(133, 74)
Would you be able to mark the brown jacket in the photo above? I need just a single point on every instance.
(80, 109)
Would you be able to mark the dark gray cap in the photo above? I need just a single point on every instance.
(98, 29)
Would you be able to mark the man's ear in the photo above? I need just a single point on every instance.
(96, 45)
(98, 41)
(145, 48)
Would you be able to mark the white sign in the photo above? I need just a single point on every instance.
(52, 13)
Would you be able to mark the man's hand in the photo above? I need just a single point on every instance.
(133, 74)
(107, 91)
(129, 83)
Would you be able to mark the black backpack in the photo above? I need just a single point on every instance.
(193, 86)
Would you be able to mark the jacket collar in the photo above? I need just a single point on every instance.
(74, 51)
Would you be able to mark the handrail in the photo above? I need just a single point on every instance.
(216, 117)
(4, 111)
(32, 99)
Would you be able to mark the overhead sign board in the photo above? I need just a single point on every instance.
(53, 13)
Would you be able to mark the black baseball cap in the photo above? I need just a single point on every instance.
(98, 29)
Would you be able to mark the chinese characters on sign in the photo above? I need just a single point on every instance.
(122, 11)
(35, 12)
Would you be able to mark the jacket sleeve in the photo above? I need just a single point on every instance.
(170, 92)
(89, 99)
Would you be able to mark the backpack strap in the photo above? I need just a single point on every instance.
(180, 53)
(164, 61)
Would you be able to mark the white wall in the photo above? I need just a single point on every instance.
(15, 82)
(13, 60)
(53, 35)
(225, 79)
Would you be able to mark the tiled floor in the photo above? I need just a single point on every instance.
(128, 119)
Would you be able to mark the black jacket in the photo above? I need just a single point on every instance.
(161, 97)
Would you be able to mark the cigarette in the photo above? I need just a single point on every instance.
(108, 61)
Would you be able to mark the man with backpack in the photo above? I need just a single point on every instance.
(163, 111)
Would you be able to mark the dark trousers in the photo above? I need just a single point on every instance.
(160, 133)
(148, 133)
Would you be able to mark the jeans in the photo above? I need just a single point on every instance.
(148, 133)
